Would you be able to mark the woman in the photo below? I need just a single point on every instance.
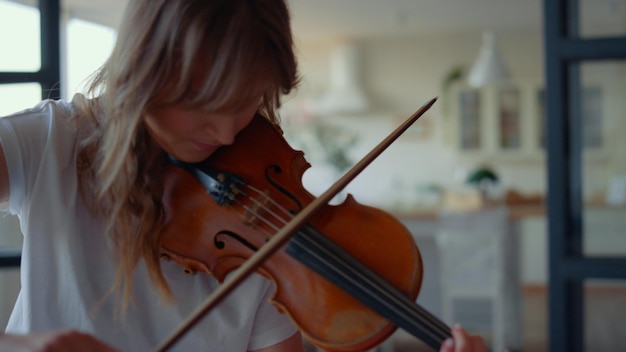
(85, 178)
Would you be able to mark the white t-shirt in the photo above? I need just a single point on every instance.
(67, 271)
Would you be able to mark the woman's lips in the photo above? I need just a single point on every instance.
(205, 147)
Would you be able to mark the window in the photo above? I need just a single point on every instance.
(19, 35)
(88, 46)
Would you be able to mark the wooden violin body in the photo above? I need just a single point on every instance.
(260, 177)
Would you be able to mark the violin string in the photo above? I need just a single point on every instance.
(354, 269)
(261, 205)
(370, 283)
(402, 306)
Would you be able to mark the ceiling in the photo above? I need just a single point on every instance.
(357, 18)
(397, 17)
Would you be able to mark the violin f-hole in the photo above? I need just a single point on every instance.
(220, 244)
(277, 169)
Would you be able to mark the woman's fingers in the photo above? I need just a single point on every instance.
(462, 342)
(53, 341)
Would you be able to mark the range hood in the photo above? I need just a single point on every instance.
(344, 94)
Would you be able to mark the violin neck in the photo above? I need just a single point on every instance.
(320, 254)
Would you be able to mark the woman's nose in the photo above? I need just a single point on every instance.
(224, 130)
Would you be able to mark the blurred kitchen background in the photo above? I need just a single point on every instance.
(469, 179)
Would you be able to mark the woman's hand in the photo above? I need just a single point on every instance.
(462, 342)
(54, 341)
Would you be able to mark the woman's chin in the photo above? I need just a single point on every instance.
(191, 158)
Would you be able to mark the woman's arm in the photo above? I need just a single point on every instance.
(54, 341)
(292, 344)
(4, 177)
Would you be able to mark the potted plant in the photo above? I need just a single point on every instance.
(483, 178)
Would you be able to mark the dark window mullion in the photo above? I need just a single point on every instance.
(565, 292)
(50, 49)
(20, 77)
(594, 268)
(574, 236)
(568, 268)
(593, 49)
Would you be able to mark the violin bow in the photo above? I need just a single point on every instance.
(284, 234)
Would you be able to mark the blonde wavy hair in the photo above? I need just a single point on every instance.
(240, 50)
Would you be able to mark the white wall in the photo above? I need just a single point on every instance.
(399, 74)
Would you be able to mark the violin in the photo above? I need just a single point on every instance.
(347, 275)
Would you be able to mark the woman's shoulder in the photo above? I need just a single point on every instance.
(45, 106)
(76, 117)
(39, 145)
(43, 115)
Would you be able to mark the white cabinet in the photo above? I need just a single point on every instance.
(479, 274)
(509, 120)
(498, 120)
